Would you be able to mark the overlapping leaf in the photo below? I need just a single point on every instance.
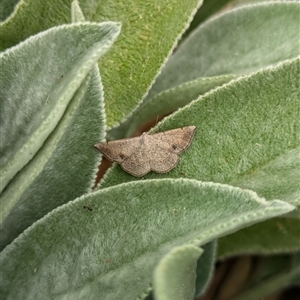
(112, 248)
(241, 128)
(166, 102)
(64, 167)
(150, 31)
(175, 275)
(279, 235)
(238, 42)
(34, 96)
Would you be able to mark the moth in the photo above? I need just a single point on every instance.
(158, 152)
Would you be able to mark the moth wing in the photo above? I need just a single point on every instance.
(137, 164)
(119, 150)
(175, 140)
(162, 161)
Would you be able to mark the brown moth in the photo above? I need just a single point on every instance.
(156, 152)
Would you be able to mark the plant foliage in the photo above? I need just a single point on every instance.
(234, 75)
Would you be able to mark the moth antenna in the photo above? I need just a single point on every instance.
(156, 120)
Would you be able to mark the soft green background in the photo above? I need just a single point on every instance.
(245, 83)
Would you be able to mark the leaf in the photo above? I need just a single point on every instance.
(112, 250)
(64, 168)
(34, 101)
(76, 13)
(278, 179)
(150, 32)
(279, 235)
(205, 268)
(241, 41)
(6, 8)
(166, 102)
(207, 10)
(241, 127)
(174, 277)
(175, 274)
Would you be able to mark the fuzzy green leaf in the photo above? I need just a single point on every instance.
(207, 10)
(279, 235)
(150, 30)
(76, 12)
(205, 267)
(52, 176)
(240, 41)
(279, 178)
(175, 274)
(111, 247)
(166, 102)
(6, 8)
(242, 127)
(63, 169)
(33, 102)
